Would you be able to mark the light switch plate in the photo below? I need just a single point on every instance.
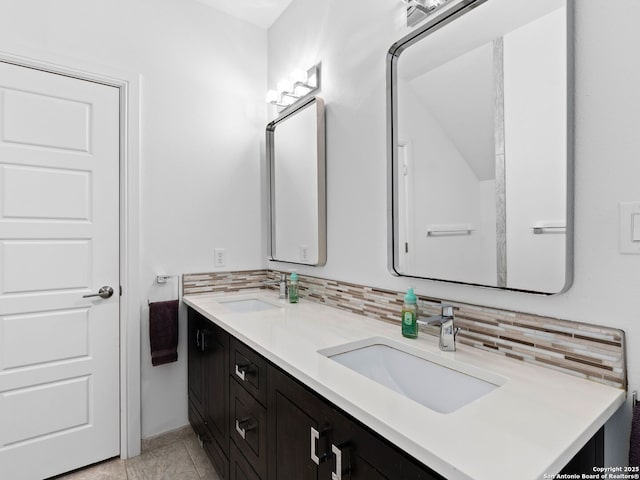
(629, 227)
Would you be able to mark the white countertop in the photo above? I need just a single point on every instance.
(530, 426)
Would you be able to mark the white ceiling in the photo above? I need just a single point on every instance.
(259, 12)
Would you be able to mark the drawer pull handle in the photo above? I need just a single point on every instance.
(337, 475)
(315, 439)
(201, 340)
(242, 370)
(240, 430)
(315, 436)
(243, 426)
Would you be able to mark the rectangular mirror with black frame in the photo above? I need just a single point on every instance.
(480, 146)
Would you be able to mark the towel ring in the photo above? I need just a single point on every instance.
(162, 279)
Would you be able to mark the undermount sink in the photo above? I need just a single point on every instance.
(442, 385)
(244, 305)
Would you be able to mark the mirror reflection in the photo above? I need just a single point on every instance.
(296, 164)
(479, 144)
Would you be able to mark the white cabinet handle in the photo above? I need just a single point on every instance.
(337, 475)
(241, 373)
(240, 430)
(315, 436)
(243, 426)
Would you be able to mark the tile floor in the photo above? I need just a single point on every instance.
(173, 456)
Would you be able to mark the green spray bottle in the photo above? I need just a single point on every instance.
(410, 315)
(293, 287)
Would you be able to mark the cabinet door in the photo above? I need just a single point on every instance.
(359, 454)
(195, 359)
(208, 387)
(216, 384)
(591, 454)
(240, 468)
(298, 431)
(349, 458)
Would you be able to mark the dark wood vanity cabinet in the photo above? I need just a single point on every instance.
(298, 431)
(310, 439)
(208, 387)
(196, 360)
(257, 422)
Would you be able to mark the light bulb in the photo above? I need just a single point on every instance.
(285, 86)
(301, 90)
(272, 96)
(299, 76)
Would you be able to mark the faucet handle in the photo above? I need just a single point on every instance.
(447, 311)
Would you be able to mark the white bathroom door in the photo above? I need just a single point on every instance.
(59, 241)
(406, 240)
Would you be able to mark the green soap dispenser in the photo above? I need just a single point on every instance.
(410, 315)
(293, 287)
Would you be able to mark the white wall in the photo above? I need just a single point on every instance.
(352, 39)
(203, 82)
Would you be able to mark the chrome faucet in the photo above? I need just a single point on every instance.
(282, 285)
(447, 330)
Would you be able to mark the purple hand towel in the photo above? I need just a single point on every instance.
(163, 332)
(634, 444)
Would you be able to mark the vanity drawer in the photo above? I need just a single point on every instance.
(239, 467)
(249, 369)
(249, 428)
(197, 423)
(210, 445)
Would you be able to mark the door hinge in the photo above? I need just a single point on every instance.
(406, 249)
(120, 290)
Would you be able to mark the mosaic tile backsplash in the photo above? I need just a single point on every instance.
(223, 282)
(585, 350)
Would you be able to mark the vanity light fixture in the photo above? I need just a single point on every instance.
(418, 10)
(299, 84)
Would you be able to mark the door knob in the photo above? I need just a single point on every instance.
(104, 292)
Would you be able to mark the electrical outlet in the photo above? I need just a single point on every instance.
(304, 253)
(219, 259)
(629, 225)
